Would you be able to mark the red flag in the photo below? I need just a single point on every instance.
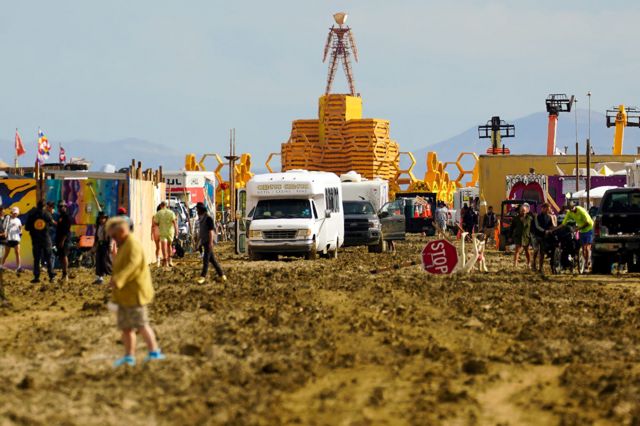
(19, 146)
(63, 155)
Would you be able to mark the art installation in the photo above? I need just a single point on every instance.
(530, 186)
(20, 193)
(85, 198)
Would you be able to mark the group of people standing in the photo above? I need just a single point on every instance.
(531, 230)
(47, 228)
(164, 229)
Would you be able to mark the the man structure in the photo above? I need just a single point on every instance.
(63, 238)
(207, 240)
(38, 225)
(584, 225)
(167, 223)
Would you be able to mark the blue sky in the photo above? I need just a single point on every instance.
(182, 73)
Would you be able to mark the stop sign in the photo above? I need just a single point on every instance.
(439, 257)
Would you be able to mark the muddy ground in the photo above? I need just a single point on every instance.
(327, 342)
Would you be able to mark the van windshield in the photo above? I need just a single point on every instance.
(283, 209)
(358, 207)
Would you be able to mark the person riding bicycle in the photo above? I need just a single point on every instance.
(584, 225)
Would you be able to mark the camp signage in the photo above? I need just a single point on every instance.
(283, 188)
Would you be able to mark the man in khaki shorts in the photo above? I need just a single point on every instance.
(132, 292)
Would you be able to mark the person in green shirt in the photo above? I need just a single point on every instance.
(168, 228)
(584, 225)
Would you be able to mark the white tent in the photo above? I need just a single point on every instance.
(595, 193)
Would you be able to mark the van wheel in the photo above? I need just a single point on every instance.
(380, 247)
(254, 256)
(312, 254)
(600, 265)
(333, 254)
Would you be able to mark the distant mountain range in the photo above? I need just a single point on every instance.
(531, 138)
(119, 153)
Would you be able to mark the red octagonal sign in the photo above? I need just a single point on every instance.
(439, 257)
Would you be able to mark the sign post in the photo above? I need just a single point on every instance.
(439, 257)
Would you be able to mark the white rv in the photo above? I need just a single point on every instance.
(357, 188)
(296, 212)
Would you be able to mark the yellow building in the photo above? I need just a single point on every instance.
(494, 169)
(340, 140)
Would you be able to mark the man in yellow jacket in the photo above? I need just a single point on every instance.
(132, 292)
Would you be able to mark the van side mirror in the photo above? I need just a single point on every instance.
(327, 213)
(383, 214)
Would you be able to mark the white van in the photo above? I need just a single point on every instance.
(296, 212)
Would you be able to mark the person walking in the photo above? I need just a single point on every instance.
(132, 292)
(13, 231)
(4, 222)
(542, 225)
(207, 240)
(441, 218)
(521, 229)
(489, 222)
(63, 239)
(168, 227)
(155, 236)
(51, 208)
(38, 224)
(469, 220)
(103, 248)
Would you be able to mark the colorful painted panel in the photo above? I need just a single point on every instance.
(20, 193)
(84, 198)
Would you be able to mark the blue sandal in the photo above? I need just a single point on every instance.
(156, 355)
(125, 360)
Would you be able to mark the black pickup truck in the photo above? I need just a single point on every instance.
(617, 231)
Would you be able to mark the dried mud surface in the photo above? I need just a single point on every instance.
(327, 342)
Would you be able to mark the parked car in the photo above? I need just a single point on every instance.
(617, 231)
(362, 227)
(419, 208)
(392, 222)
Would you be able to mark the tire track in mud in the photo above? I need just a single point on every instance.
(327, 342)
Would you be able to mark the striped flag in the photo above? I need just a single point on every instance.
(19, 146)
(44, 148)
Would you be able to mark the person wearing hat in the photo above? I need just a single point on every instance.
(38, 224)
(132, 292)
(63, 238)
(13, 231)
(207, 240)
(122, 212)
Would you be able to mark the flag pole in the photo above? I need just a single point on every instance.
(15, 150)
